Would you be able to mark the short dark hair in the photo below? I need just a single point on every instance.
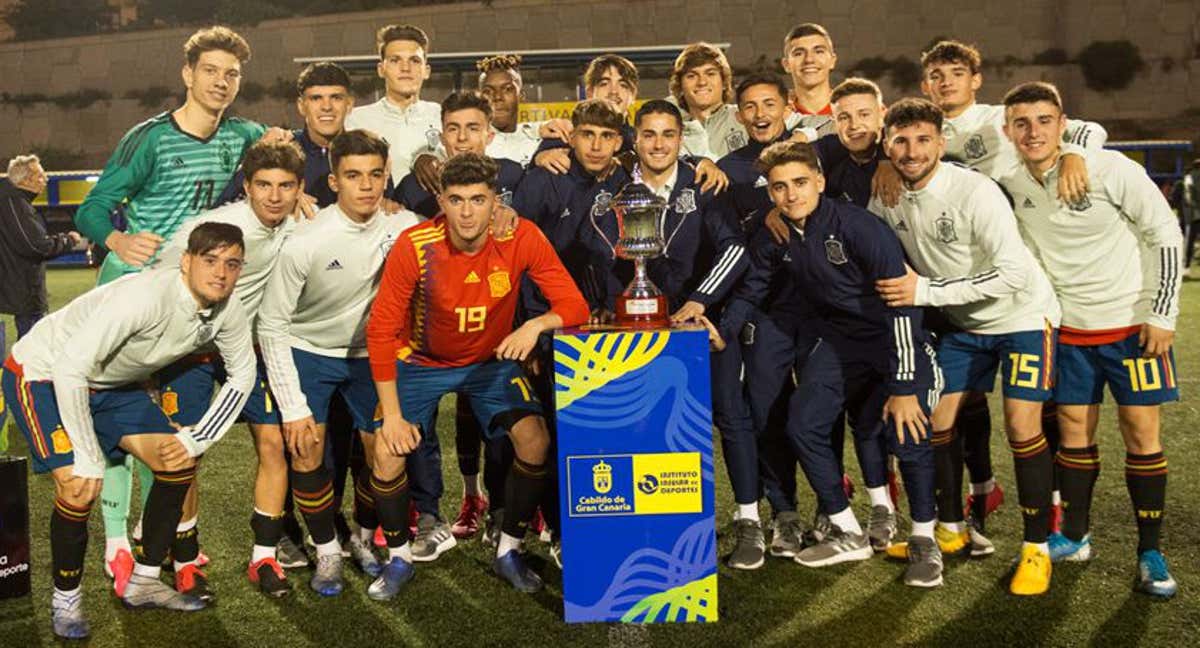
(693, 56)
(785, 152)
(356, 142)
(855, 86)
(215, 38)
(600, 64)
(761, 79)
(464, 100)
(469, 169)
(1033, 92)
(597, 112)
(323, 73)
(952, 51)
(911, 110)
(806, 29)
(658, 107)
(273, 155)
(214, 236)
(389, 33)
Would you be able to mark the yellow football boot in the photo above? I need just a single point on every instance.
(1032, 576)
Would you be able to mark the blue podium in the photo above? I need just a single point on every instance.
(635, 459)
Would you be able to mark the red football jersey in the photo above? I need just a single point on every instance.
(439, 306)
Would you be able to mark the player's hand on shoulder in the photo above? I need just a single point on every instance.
(389, 206)
(428, 170)
(711, 178)
(899, 291)
(556, 160)
(306, 207)
(887, 184)
(277, 134)
(556, 128)
(504, 220)
(1155, 342)
(133, 249)
(779, 230)
(1072, 179)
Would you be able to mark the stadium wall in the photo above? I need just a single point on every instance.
(1166, 91)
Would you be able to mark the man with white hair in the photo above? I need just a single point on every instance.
(25, 246)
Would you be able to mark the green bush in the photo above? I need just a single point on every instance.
(1110, 65)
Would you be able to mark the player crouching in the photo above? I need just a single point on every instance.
(443, 322)
(77, 379)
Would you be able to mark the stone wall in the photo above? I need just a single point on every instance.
(1166, 31)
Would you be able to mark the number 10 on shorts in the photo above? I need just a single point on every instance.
(1143, 374)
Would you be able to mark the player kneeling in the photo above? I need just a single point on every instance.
(443, 322)
(78, 379)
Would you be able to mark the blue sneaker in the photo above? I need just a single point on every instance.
(394, 575)
(1153, 577)
(66, 616)
(1064, 549)
(327, 578)
(512, 568)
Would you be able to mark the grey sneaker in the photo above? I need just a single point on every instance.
(433, 539)
(327, 578)
(881, 528)
(821, 527)
(147, 592)
(66, 616)
(749, 546)
(786, 533)
(290, 555)
(980, 545)
(364, 556)
(836, 547)
(924, 563)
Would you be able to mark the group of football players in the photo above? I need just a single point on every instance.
(852, 261)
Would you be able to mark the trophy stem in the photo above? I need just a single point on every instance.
(642, 305)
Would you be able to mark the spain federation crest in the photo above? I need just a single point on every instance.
(974, 148)
(205, 334)
(685, 202)
(834, 251)
(602, 477)
(1083, 204)
(498, 284)
(735, 140)
(433, 137)
(225, 157)
(945, 230)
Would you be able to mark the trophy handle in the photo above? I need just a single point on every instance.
(599, 232)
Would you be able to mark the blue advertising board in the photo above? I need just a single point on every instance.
(635, 459)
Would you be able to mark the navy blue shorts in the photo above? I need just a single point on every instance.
(1083, 371)
(494, 388)
(321, 376)
(116, 413)
(1025, 359)
(186, 390)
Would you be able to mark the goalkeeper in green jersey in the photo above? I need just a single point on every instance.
(165, 171)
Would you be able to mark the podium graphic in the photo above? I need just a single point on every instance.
(635, 458)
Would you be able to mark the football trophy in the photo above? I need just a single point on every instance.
(639, 212)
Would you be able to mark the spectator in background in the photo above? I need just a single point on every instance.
(25, 246)
(1189, 213)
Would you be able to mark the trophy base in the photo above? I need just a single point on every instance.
(642, 312)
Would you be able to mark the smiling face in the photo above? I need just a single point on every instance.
(1036, 129)
(403, 68)
(359, 181)
(859, 120)
(468, 210)
(213, 82)
(795, 188)
(658, 142)
(809, 60)
(703, 87)
(951, 85)
(324, 109)
(502, 89)
(615, 89)
(212, 275)
(762, 109)
(914, 150)
(466, 131)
